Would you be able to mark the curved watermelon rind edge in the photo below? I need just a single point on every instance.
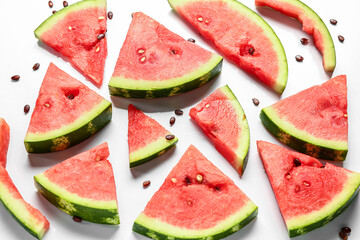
(73, 134)
(156, 229)
(151, 151)
(315, 147)
(300, 226)
(280, 84)
(61, 14)
(103, 212)
(199, 77)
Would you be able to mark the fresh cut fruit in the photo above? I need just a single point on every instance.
(147, 139)
(223, 120)
(313, 121)
(241, 35)
(312, 24)
(155, 62)
(66, 113)
(4, 141)
(78, 33)
(196, 201)
(308, 193)
(82, 186)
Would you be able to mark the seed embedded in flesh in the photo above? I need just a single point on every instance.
(188, 181)
(97, 49)
(110, 15)
(47, 105)
(304, 41)
(256, 101)
(297, 162)
(65, 3)
(341, 38)
(333, 21)
(299, 58)
(36, 66)
(217, 188)
(142, 59)
(189, 202)
(174, 180)
(288, 176)
(15, 77)
(26, 108)
(191, 40)
(251, 51)
(70, 96)
(199, 178)
(179, 112)
(207, 105)
(170, 137)
(200, 19)
(77, 219)
(141, 51)
(51, 4)
(172, 120)
(101, 36)
(346, 230)
(146, 183)
(306, 183)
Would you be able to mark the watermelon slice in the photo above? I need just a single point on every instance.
(312, 24)
(196, 201)
(146, 138)
(78, 33)
(309, 194)
(4, 141)
(155, 62)
(223, 120)
(313, 121)
(241, 35)
(66, 113)
(82, 186)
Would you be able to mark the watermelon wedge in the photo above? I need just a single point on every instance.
(241, 35)
(309, 194)
(313, 121)
(4, 141)
(223, 120)
(155, 62)
(196, 201)
(312, 24)
(82, 186)
(78, 33)
(146, 138)
(66, 113)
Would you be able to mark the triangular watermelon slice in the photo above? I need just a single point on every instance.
(196, 201)
(241, 35)
(78, 33)
(66, 113)
(83, 186)
(147, 139)
(309, 194)
(223, 120)
(155, 62)
(4, 141)
(313, 121)
(312, 24)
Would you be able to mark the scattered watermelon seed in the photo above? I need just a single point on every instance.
(141, 51)
(299, 58)
(191, 40)
(343, 235)
(256, 101)
(199, 178)
(170, 137)
(77, 219)
(146, 183)
(172, 120)
(341, 38)
(333, 21)
(251, 51)
(53, 11)
(346, 230)
(65, 3)
(304, 41)
(51, 4)
(306, 183)
(188, 181)
(97, 49)
(142, 59)
(47, 105)
(297, 162)
(110, 15)
(174, 180)
(101, 36)
(200, 19)
(179, 112)
(36, 66)
(26, 108)
(217, 188)
(15, 77)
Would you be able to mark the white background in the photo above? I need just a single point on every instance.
(19, 50)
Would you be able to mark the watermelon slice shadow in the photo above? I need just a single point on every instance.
(12, 225)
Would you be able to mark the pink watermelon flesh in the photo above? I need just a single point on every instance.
(4, 141)
(234, 34)
(161, 51)
(16, 199)
(88, 175)
(324, 105)
(218, 117)
(197, 206)
(54, 108)
(75, 36)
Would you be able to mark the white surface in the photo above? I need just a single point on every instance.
(20, 50)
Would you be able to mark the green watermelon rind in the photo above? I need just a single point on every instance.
(20, 213)
(306, 223)
(151, 151)
(159, 230)
(300, 140)
(280, 84)
(329, 58)
(131, 88)
(96, 211)
(83, 128)
(61, 14)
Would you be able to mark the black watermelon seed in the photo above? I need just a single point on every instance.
(188, 181)
(346, 230)
(333, 21)
(297, 162)
(65, 3)
(191, 40)
(53, 11)
(36, 66)
(110, 15)
(256, 101)
(251, 51)
(179, 112)
(146, 183)
(172, 120)
(299, 58)
(101, 36)
(15, 77)
(341, 38)
(217, 188)
(77, 219)
(26, 108)
(51, 4)
(304, 41)
(170, 137)
(70, 96)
